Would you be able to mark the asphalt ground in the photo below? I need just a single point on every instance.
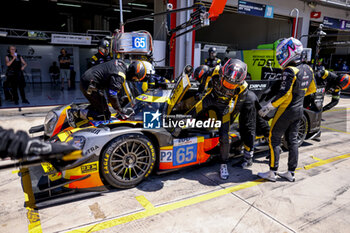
(196, 200)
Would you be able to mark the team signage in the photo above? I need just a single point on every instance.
(336, 23)
(256, 9)
(70, 39)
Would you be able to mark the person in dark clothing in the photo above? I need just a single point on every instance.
(54, 72)
(14, 74)
(247, 107)
(102, 54)
(332, 83)
(229, 91)
(297, 82)
(19, 145)
(64, 60)
(109, 78)
(212, 60)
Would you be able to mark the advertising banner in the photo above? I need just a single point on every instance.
(70, 39)
(256, 9)
(336, 23)
(257, 59)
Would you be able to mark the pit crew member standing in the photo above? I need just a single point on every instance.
(332, 83)
(212, 60)
(229, 88)
(102, 55)
(107, 78)
(297, 82)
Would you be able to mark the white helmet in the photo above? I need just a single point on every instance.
(149, 67)
(288, 50)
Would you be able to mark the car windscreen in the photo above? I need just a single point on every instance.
(142, 106)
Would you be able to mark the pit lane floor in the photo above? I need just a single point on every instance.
(196, 200)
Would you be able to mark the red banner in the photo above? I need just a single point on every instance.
(216, 8)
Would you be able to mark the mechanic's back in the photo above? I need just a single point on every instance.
(100, 74)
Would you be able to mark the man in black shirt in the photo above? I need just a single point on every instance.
(64, 60)
(109, 78)
(212, 60)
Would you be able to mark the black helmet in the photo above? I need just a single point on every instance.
(233, 73)
(200, 71)
(136, 70)
(104, 46)
(212, 52)
(344, 82)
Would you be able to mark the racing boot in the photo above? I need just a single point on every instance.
(270, 175)
(223, 171)
(287, 175)
(247, 159)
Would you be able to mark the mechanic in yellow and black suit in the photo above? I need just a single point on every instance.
(229, 89)
(106, 79)
(102, 55)
(332, 83)
(246, 107)
(297, 82)
(212, 60)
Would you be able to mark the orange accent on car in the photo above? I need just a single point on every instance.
(93, 181)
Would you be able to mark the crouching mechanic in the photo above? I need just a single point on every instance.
(107, 78)
(297, 82)
(332, 83)
(229, 88)
(247, 107)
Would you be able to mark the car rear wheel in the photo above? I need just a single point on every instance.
(302, 132)
(127, 160)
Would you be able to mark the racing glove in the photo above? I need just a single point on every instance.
(266, 109)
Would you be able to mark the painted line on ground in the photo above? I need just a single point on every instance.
(183, 203)
(144, 202)
(338, 110)
(336, 130)
(315, 158)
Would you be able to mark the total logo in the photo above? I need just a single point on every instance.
(151, 120)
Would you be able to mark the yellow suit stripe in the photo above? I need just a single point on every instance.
(279, 112)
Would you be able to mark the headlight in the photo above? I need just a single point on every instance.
(50, 123)
(78, 142)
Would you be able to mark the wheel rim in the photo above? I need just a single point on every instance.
(130, 160)
(302, 130)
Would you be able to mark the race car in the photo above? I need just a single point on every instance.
(122, 153)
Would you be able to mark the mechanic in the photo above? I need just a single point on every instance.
(212, 60)
(107, 77)
(229, 96)
(249, 120)
(19, 146)
(102, 55)
(297, 82)
(332, 83)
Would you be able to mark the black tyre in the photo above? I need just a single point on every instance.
(303, 131)
(127, 160)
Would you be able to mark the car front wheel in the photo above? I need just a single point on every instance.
(127, 160)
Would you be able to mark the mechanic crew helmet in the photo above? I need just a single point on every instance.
(149, 68)
(136, 71)
(288, 50)
(200, 72)
(344, 82)
(212, 52)
(234, 73)
(104, 46)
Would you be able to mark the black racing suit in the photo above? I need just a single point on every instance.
(98, 58)
(330, 81)
(297, 82)
(107, 77)
(212, 62)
